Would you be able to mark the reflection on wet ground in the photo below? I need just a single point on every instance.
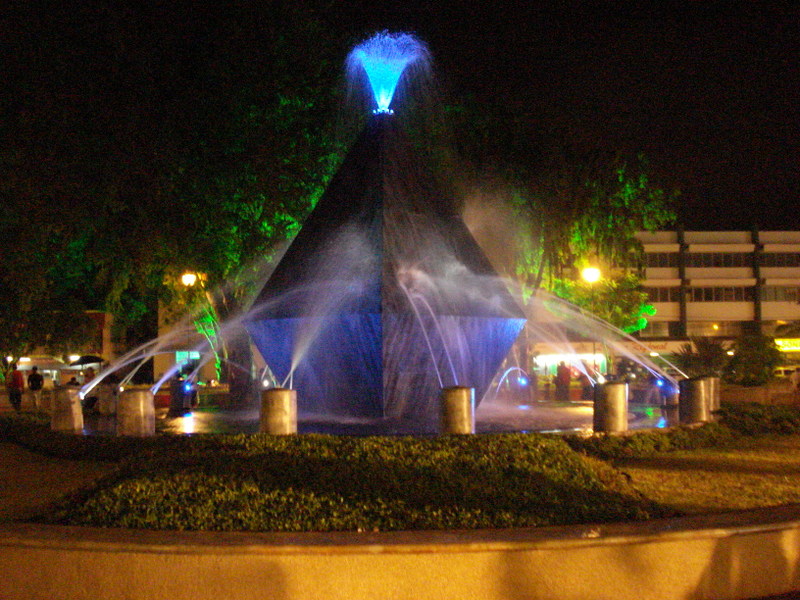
(490, 418)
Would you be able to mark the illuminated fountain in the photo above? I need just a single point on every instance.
(384, 297)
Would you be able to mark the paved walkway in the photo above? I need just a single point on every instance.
(29, 482)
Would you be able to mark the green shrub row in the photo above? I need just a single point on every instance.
(734, 421)
(32, 431)
(751, 418)
(643, 444)
(324, 483)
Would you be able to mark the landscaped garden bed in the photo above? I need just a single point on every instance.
(325, 483)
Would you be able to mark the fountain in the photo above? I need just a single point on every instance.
(384, 297)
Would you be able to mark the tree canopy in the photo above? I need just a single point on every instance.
(138, 146)
(575, 205)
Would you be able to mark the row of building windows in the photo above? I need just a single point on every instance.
(722, 259)
(780, 294)
(780, 259)
(724, 294)
(662, 329)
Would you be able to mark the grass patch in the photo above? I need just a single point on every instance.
(764, 472)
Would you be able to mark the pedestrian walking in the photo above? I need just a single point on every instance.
(15, 383)
(35, 385)
(563, 377)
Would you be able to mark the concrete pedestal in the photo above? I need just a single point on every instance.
(458, 410)
(136, 414)
(278, 411)
(610, 407)
(699, 398)
(671, 409)
(67, 412)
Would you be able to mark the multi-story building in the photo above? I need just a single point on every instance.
(721, 284)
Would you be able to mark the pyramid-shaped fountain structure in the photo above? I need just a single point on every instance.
(384, 296)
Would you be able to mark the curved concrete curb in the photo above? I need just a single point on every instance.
(736, 555)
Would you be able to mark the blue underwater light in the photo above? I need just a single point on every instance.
(384, 57)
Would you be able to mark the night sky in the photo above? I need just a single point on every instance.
(707, 90)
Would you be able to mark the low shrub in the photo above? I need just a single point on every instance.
(325, 483)
(644, 444)
(752, 418)
(734, 421)
(32, 431)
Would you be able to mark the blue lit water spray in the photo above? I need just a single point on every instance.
(384, 58)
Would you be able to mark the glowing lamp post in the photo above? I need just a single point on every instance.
(591, 275)
(189, 279)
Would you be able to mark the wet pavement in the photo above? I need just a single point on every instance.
(497, 416)
(565, 417)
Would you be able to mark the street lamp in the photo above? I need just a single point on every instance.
(189, 279)
(591, 275)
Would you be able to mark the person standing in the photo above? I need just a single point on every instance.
(563, 377)
(89, 402)
(35, 385)
(15, 384)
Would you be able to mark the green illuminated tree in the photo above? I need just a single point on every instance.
(585, 209)
(155, 146)
(618, 300)
(40, 304)
(252, 170)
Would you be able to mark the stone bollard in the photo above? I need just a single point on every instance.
(457, 410)
(713, 396)
(697, 400)
(106, 399)
(136, 415)
(610, 407)
(278, 411)
(67, 415)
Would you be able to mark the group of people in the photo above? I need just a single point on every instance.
(15, 384)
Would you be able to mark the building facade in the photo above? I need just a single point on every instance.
(722, 284)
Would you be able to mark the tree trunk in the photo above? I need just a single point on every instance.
(237, 365)
(238, 369)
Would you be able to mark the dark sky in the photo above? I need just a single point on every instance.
(707, 90)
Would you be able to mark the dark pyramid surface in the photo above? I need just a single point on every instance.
(384, 296)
